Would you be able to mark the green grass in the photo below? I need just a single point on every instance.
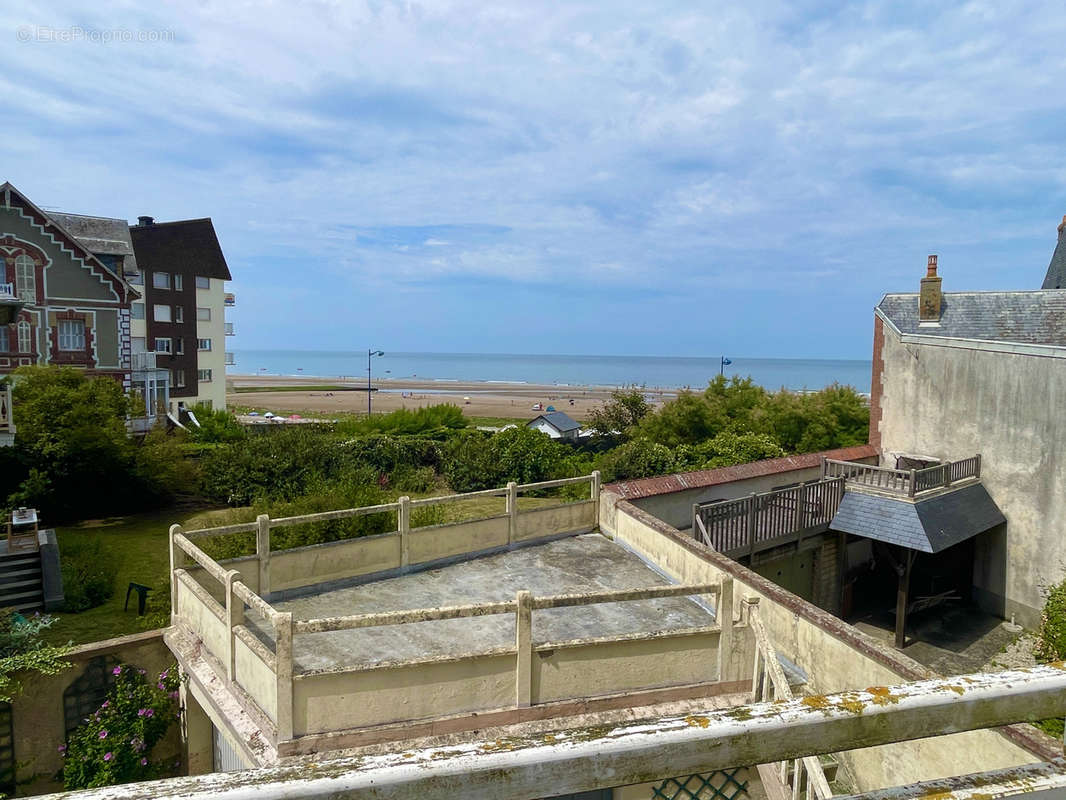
(498, 422)
(138, 543)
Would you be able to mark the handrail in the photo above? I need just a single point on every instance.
(201, 558)
(771, 668)
(255, 602)
(408, 616)
(326, 516)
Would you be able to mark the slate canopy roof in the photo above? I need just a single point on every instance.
(184, 247)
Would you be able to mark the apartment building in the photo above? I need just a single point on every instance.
(181, 318)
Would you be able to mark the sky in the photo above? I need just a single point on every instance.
(647, 178)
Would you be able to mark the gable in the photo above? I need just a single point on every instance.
(71, 272)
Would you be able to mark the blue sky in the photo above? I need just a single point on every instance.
(621, 178)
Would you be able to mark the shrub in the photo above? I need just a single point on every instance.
(88, 570)
(216, 425)
(477, 461)
(1051, 636)
(437, 420)
(639, 458)
(22, 650)
(414, 479)
(115, 744)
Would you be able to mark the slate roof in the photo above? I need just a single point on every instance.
(1056, 271)
(558, 420)
(928, 526)
(184, 247)
(1030, 317)
(105, 235)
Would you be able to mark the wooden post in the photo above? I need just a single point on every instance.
(512, 512)
(901, 598)
(403, 519)
(177, 561)
(751, 527)
(283, 662)
(524, 649)
(262, 551)
(914, 474)
(723, 615)
(978, 467)
(234, 617)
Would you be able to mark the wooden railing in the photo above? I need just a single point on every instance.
(768, 683)
(908, 482)
(762, 521)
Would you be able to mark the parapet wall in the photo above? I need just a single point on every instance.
(835, 655)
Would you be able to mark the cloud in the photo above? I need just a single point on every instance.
(654, 155)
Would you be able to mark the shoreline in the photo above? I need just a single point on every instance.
(441, 385)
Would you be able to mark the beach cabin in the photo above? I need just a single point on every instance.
(556, 424)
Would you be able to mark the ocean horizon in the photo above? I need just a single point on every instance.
(671, 372)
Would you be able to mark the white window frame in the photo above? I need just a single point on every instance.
(26, 278)
(177, 379)
(203, 376)
(161, 313)
(160, 347)
(178, 282)
(179, 314)
(203, 344)
(71, 335)
(138, 344)
(203, 314)
(25, 337)
(156, 280)
(179, 346)
(137, 310)
(203, 282)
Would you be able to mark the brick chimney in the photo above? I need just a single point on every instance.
(929, 295)
(1062, 227)
(143, 222)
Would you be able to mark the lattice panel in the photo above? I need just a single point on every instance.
(726, 784)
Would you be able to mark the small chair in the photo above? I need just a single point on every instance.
(142, 596)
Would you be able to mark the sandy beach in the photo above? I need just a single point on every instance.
(477, 399)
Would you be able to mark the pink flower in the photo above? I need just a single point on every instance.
(105, 704)
(144, 761)
(103, 734)
(145, 712)
(173, 695)
(62, 748)
(108, 756)
(116, 671)
(160, 686)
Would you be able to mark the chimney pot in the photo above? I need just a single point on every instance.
(143, 222)
(1062, 226)
(930, 270)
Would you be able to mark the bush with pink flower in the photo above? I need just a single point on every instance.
(115, 744)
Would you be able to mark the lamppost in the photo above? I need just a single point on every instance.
(370, 354)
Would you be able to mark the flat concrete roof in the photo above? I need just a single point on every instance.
(579, 564)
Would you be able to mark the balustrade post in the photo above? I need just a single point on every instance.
(234, 617)
(751, 525)
(595, 489)
(262, 552)
(723, 615)
(913, 487)
(523, 649)
(512, 512)
(977, 466)
(177, 561)
(403, 519)
(283, 664)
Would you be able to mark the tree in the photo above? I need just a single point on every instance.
(617, 416)
(22, 650)
(475, 461)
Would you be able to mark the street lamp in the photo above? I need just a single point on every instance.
(369, 355)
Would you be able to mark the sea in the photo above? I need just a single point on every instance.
(648, 371)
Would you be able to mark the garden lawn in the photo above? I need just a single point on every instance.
(138, 544)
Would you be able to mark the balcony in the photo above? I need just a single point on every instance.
(903, 482)
(142, 362)
(230, 300)
(231, 360)
(229, 329)
(10, 303)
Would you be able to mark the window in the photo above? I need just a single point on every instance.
(26, 279)
(179, 314)
(162, 345)
(161, 313)
(25, 339)
(71, 334)
(178, 283)
(203, 314)
(139, 344)
(137, 310)
(161, 280)
(177, 378)
(203, 375)
(179, 346)
(136, 278)
(202, 282)
(203, 344)
(5, 339)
